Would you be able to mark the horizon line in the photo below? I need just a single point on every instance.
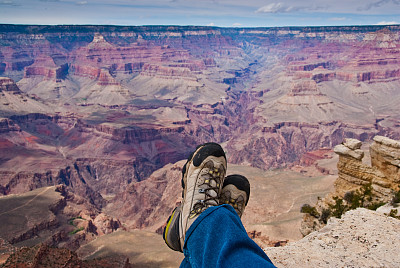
(203, 26)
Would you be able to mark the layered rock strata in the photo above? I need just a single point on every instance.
(147, 204)
(44, 256)
(114, 104)
(353, 174)
(7, 84)
(383, 174)
(52, 215)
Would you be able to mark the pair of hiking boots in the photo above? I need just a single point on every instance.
(204, 185)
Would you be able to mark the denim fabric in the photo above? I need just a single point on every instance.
(217, 238)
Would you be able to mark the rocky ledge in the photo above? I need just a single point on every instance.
(7, 84)
(361, 238)
(383, 173)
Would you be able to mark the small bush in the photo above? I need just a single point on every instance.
(306, 208)
(348, 197)
(362, 197)
(338, 208)
(375, 206)
(396, 197)
(326, 213)
(393, 213)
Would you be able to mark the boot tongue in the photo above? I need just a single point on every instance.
(212, 193)
(212, 203)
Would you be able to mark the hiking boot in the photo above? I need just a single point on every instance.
(236, 192)
(202, 179)
(171, 230)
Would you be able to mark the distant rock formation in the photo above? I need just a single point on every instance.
(45, 67)
(7, 84)
(57, 216)
(44, 256)
(270, 94)
(147, 204)
(361, 238)
(382, 178)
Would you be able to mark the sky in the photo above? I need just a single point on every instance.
(222, 13)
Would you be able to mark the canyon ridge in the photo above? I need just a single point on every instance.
(96, 120)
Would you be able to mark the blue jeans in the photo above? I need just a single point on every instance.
(217, 238)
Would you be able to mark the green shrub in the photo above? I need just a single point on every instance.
(325, 214)
(375, 206)
(338, 208)
(71, 221)
(351, 200)
(396, 197)
(306, 208)
(393, 213)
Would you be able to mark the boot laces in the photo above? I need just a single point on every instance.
(209, 185)
(237, 203)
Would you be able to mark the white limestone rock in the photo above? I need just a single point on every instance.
(341, 149)
(385, 209)
(352, 144)
(361, 238)
(388, 142)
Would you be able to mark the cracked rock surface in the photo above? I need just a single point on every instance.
(361, 238)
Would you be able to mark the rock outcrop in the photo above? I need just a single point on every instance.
(379, 181)
(361, 238)
(147, 204)
(45, 67)
(54, 216)
(383, 174)
(44, 256)
(385, 156)
(7, 84)
(26, 216)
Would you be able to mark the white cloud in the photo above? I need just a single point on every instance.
(338, 18)
(211, 24)
(278, 8)
(272, 8)
(387, 23)
(236, 24)
(377, 4)
(81, 3)
(8, 3)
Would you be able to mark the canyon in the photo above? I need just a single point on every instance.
(108, 113)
